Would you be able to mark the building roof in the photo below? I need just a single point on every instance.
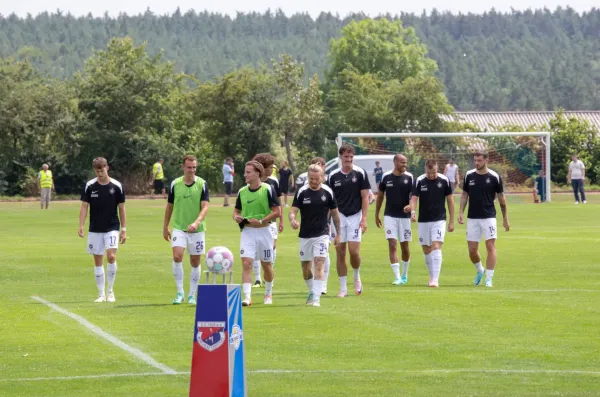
(486, 121)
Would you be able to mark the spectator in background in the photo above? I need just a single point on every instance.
(451, 172)
(46, 186)
(378, 173)
(158, 174)
(539, 190)
(228, 174)
(285, 174)
(576, 176)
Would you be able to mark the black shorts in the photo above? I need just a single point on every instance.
(285, 189)
(158, 186)
(228, 188)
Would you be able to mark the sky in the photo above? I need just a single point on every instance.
(313, 7)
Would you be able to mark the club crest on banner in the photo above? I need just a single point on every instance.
(237, 336)
(211, 335)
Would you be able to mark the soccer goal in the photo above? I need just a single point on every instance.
(520, 158)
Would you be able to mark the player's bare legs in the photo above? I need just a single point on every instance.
(178, 273)
(269, 276)
(307, 274)
(393, 254)
(342, 268)
(111, 270)
(194, 278)
(319, 276)
(490, 262)
(393, 250)
(99, 272)
(476, 260)
(354, 250)
(247, 280)
(433, 260)
(405, 247)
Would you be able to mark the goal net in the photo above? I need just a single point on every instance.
(521, 158)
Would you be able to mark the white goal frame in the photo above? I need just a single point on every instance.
(544, 137)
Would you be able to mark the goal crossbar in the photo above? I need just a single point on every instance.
(545, 136)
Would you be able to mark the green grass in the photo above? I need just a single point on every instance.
(543, 313)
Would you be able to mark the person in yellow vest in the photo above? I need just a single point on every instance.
(158, 174)
(46, 186)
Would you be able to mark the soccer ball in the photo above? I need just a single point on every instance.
(219, 260)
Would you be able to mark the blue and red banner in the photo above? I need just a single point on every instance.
(218, 368)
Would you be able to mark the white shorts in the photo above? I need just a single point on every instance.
(194, 242)
(257, 243)
(481, 227)
(397, 228)
(100, 242)
(350, 228)
(314, 247)
(431, 231)
(274, 230)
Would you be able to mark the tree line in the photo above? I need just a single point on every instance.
(522, 60)
(132, 106)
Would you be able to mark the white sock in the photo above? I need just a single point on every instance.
(326, 272)
(309, 284)
(268, 288)
(194, 279)
(405, 268)
(396, 269)
(111, 269)
(247, 287)
(489, 274)
(317, 289)
(178, 274)
(256, 271)
(99, 272)
(436, 264)
(428, 264)
(356, 273)
(478, 266)
(343, 286)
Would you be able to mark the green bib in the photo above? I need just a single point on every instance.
(255, 205)
(186, 206)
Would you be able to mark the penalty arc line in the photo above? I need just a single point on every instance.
(332, 371)
(112, 339)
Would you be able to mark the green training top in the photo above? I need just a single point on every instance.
(186, 200)
(256, 204)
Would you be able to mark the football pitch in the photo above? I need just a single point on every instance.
(536, 333)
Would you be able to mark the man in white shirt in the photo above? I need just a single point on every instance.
(228, 175)
(451, 172)
(576, 176)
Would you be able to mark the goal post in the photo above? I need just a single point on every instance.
(517, 156)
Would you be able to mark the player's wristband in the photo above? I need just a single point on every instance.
(260, 221)
(413, 212)
(123, 229)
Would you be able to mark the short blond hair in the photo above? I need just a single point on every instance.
(316, 168)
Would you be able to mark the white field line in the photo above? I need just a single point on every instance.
(333, 371)
(484, 291)
(130, 375)
(428, 371)
(115, 341)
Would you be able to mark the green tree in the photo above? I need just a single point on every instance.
(237, 111)
(573, 136)
(128, 102)
(35, 116)
(298, 110)
(382, 48)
